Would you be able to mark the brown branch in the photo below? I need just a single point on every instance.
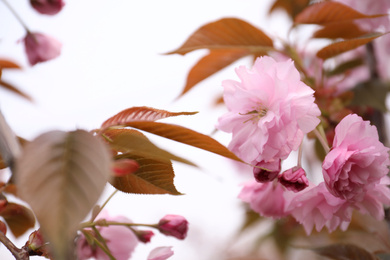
(19, 254)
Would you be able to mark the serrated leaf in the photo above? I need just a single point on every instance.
(61, 175)
(227, 33)
(152, 177)
(185, 136)
(330, 12)
(210, 64)
(347, 45)
(7, 64)
(344, 252)
(15, 90)
(343, 29)
(134, 142)
(292, 7)
(18, 218)
(139, 114)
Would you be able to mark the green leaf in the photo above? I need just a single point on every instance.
(152, 177)
(344, 252)
(185, 136)
(140, 114)
(61, 175)
(347, 45)
(18, 218)
(372, 94)
(227, 33)
(134, 142)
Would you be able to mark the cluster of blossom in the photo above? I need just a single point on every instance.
(116, 237)
(40, 47)
(270, 110)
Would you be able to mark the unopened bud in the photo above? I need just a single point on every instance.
(294, 179)
(123, 167)
(266, 171)
(144, 235)
(173, 225)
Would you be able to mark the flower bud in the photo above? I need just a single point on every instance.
(40, 47)
(49, 7)
(144, 235)
(294, 179)
(36, 245)
(123, 167)
(173, 225)
(266, 171)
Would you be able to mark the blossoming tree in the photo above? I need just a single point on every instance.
(326, 104)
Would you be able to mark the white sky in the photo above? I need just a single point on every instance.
(111, 60)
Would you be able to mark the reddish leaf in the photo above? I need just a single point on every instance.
(152, 177)
(134, 142)
(13, 89)
(329, 12)
(347, 45)
(18, 218)
(292, 7)
(210, 64)
(227, 33)
(7, 64)
(345, 29)
(185, 136)
(345, 252)
(140, 114)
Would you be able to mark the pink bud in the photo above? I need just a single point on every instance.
(40, 47)
(144, 235)
(49, 7)
(123, 167)
(294, 179)
(266, 171)
(160, 253)
(36, 245)
(173, 225)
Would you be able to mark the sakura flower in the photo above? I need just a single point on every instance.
(40, 47)
(270, 110)
(49, 7)
(294, 179)
(264, 172)
(120, 240)
(160, 253)
(315, 208)
(267, 199)
(173, 225)
(358, 160)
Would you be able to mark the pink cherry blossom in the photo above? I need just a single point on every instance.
(40, 47)
(173, 225)
(358, 160)
(49, 7)
(161, 253)
(315, 207)
(294, 179)
(120, 240)
(267, 171)
(270, 110)
(268, 199)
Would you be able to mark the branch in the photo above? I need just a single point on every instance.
(19, 254)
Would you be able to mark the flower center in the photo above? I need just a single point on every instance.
(256, 113)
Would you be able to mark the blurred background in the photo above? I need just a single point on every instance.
(112, 59)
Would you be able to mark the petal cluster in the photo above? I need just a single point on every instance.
(358, 160)
(120, 240)
(270, 110)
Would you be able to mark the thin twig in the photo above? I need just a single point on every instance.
(19, 254)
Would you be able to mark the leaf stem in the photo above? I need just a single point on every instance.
(19, 254)
(16, 15)
(104, 204)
